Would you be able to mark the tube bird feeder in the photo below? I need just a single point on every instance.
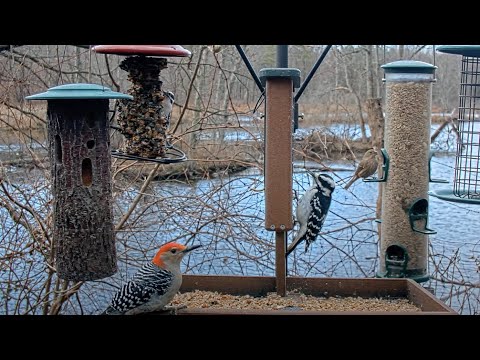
(80, 160)
(466, 185)
(404, 225)
(145, 120)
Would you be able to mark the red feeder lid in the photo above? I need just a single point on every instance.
(148, 50)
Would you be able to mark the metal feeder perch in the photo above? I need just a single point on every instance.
(466, 185)
(79, 151)
(407, 141)
(144, 121)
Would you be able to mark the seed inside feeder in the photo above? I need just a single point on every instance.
(407, 131)
(142, 121)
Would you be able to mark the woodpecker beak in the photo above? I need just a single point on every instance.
(190, 248)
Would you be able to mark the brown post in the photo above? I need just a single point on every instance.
(279, 84)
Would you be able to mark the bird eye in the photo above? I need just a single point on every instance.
(173, 251)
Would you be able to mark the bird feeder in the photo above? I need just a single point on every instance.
(279, 86)
(79, 151)
(466, 185)
(144, 121)
(404, 228)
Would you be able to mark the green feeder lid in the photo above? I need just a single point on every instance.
(290, 73)
(409, 66)
(448, 195)
(465, 50)
(79, 91)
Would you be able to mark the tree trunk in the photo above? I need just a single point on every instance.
(194, 125)
(376, 122)
(359, 105)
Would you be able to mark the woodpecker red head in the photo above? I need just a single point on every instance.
(171, 254)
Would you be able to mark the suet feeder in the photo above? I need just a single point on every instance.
(79, 151)
(279, 86)
(466, 184)
(404, 231)
(144, 121)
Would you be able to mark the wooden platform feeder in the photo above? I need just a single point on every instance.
(320, 287)
(79, 151)
(143, 121)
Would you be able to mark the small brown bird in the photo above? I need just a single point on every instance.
(367, 167)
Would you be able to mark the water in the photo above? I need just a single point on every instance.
(226, 215)
(229, 222)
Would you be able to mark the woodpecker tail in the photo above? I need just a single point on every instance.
(301, 236)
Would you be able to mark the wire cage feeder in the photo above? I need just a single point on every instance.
(144, 121)
(466, 185)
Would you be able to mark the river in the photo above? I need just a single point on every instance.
(226, 214)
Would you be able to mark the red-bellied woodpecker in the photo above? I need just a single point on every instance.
(154, 285)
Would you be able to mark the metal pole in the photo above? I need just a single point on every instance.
(312, 72)
(250, 68)
(282, 56)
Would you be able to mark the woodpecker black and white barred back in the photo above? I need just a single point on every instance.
(312, 209)
(154, 285)
(167, 104)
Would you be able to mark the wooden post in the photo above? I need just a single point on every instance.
(279, 84)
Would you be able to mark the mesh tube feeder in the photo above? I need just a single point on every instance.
(144, 122)
(466, 185)
(404, 227)
(79, 152)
